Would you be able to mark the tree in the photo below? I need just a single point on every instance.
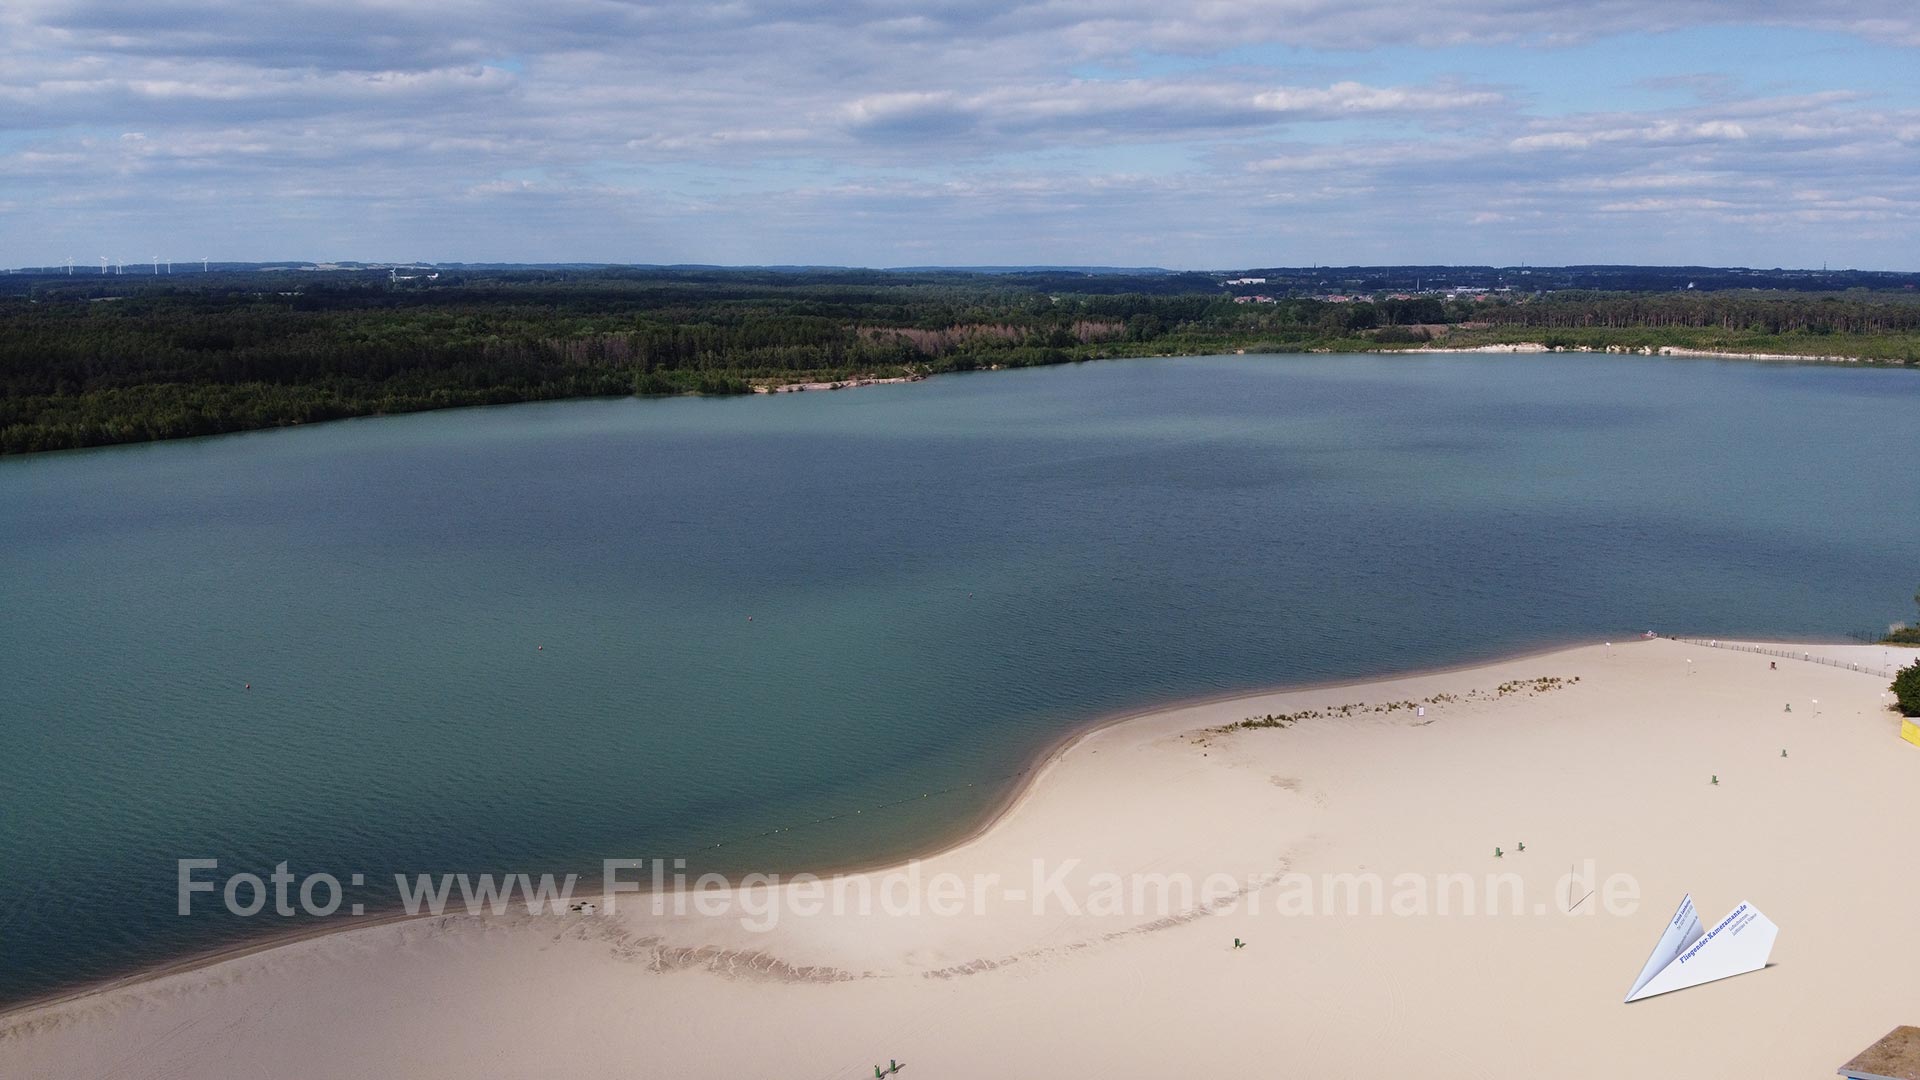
(1905, 635)
(1906, 689)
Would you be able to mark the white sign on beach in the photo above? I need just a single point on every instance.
(1687, 956)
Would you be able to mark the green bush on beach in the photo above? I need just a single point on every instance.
(1906, 690)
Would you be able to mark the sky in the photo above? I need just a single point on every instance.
(1204, 134)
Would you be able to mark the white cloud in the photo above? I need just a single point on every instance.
(1663, 205)
(789, 130)
(1087, 108)
(1664, 132)
(1352, 97)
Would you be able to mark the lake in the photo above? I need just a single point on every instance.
(536, 636)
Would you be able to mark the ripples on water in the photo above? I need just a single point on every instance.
(520, 638)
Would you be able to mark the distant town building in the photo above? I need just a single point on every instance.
(1248, 281)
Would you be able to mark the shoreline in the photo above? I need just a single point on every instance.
(772, 389)
(1024, 784)
(850, 383)
(1524, 348)
(1676, 351)
(1530, 747)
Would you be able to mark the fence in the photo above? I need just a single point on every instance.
(1789, 654)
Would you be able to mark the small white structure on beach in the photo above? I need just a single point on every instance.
(1687, 956)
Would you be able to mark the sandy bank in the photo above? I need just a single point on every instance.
(1609, 765)
(837, 384)
(1663, 350)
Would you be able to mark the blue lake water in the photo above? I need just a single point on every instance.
(537, 636)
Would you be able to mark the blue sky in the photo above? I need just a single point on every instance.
(935, 131)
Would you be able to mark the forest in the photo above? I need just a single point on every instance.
(96, 359)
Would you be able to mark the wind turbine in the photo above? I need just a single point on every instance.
(69, 266)
(103, 266)
(156, 266)
(203, 264)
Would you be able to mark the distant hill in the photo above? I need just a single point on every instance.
(1099, 271)
(1279, 280)
(1080, 279)
(1606, 278)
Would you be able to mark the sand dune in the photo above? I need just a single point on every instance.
(1608, 768)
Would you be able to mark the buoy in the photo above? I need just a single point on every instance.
(539, 648)
(249, 686)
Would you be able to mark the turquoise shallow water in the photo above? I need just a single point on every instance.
(519, 638)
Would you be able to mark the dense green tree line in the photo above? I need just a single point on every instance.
(1740, 311)
(84, 362)
(106, 359)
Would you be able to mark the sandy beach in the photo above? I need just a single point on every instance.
(1058, 942)
(1663, 350)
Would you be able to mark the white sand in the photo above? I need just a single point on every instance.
(1613, 769)
(1645, 350)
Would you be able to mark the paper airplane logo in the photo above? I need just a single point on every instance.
(1686, 956)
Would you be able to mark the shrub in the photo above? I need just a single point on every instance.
(1906, 689)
